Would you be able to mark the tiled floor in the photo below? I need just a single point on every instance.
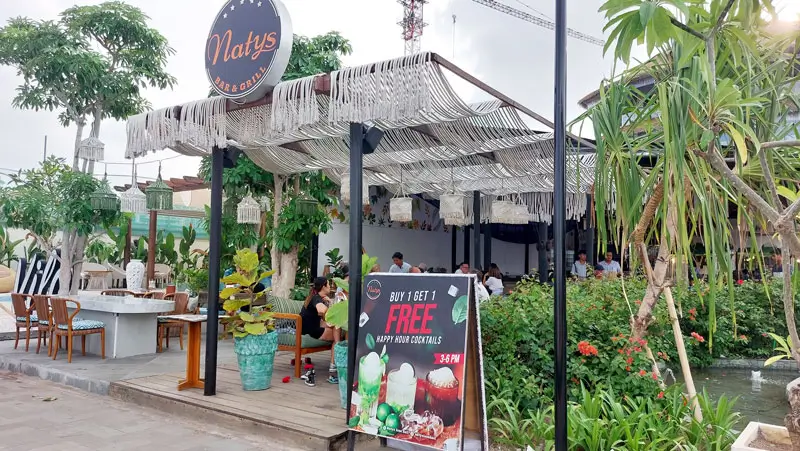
(36, 415)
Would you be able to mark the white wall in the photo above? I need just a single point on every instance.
(417, 246)
(510, 257)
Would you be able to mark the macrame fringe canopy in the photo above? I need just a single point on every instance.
(159, 194)
(103, 198)
(248, 211)
(91, 149)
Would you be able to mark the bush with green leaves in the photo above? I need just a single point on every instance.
(518, 335)
(603, 420)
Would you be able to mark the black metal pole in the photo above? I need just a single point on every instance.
(487, 247)
(541, 248)
(214, 241)
(476, 228)
(559, 226)
(527, 266)
(356, 167)
(466, 230)
(453, 249)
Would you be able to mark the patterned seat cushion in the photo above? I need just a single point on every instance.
(33, 318)
(84, 324)
(286, 339)
(43, 322)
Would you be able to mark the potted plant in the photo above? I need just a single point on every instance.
(339, 316)
(253, 328)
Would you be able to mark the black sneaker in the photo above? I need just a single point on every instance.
(310, 378)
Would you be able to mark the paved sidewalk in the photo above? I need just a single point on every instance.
(37, 415)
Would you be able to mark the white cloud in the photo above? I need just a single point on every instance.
(511, 55)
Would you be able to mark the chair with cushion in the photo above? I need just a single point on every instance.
(41, 304)
(24, 316)
(165, 325)
(66, 325)
(287, 323)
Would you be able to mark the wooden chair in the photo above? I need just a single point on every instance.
(287, 323)
(152, 295)
(166, 325)
(41, 304)
(120, 293)
(65, 325)
(23, 306)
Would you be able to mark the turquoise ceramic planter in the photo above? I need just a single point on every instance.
(340, 357)
(256, 356)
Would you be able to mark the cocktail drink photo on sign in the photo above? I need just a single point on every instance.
(411, 351)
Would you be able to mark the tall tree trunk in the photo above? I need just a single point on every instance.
(79, 124)
(686, 370)
(78, 250)
(289, 262)
(788, 301)
(276, 220)
(65, 272)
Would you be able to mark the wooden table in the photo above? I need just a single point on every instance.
(192, 350)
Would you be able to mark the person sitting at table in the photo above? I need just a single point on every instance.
(494, 281)
(398, 265)
(463, 268)
(580, 267)
(609, 265)
(312, 314)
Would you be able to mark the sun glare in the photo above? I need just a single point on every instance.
(788, 10)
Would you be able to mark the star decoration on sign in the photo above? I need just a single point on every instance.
(259, 4)
(233, 7)
(225, 16)
(241, 2)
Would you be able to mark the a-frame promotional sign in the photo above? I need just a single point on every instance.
(419, 371)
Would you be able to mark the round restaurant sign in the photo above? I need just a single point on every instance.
(248, 48)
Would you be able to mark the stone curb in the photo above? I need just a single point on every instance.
(96, 386)
(754, 364)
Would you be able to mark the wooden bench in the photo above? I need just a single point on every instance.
(287, 322)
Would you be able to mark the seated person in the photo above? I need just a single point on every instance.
(494, 281)
(312, 313)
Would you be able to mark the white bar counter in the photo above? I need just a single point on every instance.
(131, 323)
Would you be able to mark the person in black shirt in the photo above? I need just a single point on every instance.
(312, 314)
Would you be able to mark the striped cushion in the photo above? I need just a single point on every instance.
(33, 318)
(283, 305)
(84, 324)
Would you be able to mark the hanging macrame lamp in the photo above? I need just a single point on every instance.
(103, 198)
(401, 208)
(501, 211)
(248, 211)
(159, 195)
(91, 149)
(519, 213)
(265, 205)
(451, 206)
(307, 205)
(345, 189)
(133, 199)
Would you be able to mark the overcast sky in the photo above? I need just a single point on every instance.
(511, 55)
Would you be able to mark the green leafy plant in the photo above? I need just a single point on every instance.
(257, 320)
(335, 262)
(339, 314)
(99, 251)
(7, 247)
(784, 347)
(197, 279)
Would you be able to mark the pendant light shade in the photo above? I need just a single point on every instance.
(159, 195)
(501, 211)
(91, 149)
(103, 198)
(451, 206)
(133, 199)
(248, 211)
(345, 189)
(307, 205)
(265, 204)
(400, 209)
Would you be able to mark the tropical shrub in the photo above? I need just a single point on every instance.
(604, 420)
(517, 335)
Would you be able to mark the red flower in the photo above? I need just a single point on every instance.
(287, 379)
(655, 376)
(661, 395)
(740, 282)
(629, 361)
(698, 337)
(586, 349)
(619, 350)
(642, 372)
(627, 368)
